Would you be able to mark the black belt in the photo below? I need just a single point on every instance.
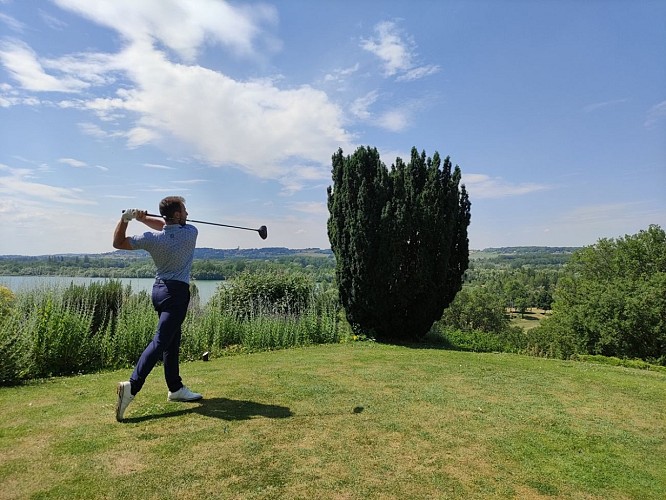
(170, 282)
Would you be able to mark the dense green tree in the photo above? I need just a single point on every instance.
(612, 300)
(400, 240)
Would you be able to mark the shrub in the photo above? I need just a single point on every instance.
(7, 299)
(57, 333)
(271, 292)
(508, 340)
(125, 339)
(14, 350)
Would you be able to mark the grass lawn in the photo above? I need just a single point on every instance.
(358, 420)
(530, 319)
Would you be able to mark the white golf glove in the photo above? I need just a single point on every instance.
(130, 214)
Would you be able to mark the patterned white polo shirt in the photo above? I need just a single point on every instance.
(172, 250)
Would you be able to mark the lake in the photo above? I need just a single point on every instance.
(26, 283)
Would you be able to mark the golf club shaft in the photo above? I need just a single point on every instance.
(210, 223)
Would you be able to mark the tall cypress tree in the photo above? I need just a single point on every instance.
(400, 240)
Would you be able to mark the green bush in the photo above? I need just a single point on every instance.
(125, 339)
(7, 299)
(272, 292)
(104, 299)
(14, 350)
(75, 330)
(57, 333)
(270, 310)
(507, 340)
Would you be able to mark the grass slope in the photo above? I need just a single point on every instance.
(351, 421)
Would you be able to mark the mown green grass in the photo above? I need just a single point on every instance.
(356, 420)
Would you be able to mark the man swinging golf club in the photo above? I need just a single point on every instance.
(171, 245)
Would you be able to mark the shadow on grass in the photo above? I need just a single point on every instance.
(222, 408)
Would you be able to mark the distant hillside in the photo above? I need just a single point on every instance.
(530, 250)
(274, 252)
(199, 253)
(522, 256)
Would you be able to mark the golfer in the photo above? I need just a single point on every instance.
(171, 245)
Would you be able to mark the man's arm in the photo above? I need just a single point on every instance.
(120, 239)
(155, 223)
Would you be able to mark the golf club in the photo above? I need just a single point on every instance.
(263, 231)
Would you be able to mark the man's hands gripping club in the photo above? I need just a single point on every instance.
(133, 213)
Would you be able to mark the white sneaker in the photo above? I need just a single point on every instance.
(125, 397)
(183, 394)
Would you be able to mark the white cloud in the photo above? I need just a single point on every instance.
(604, 104)
(198, 106)
(483, 186)
(73, 163)
(359, 107)
(419, 72)
(254, 125)
(139, 136)
(182, 26)
(397, 51)
(656, 114)
(341, 74)
(25, 67)
(12, 23)
(14, 181)
(395, 120)
(52, 22)
(389, 46)
(313, 208)
(157, 166)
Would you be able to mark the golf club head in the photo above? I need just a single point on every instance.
(263, 232)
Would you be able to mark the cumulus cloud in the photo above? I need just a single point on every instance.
(253, 125)
(183, 27)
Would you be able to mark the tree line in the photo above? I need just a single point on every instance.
(399, 235)
(403, 271)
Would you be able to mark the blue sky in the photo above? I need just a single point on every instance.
(554, 110)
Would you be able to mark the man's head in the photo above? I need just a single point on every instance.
(172, 208)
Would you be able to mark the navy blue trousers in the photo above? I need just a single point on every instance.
(170, 299)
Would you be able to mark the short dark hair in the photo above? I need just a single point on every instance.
(170, 205)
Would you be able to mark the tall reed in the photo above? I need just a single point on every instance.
(55, 331)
